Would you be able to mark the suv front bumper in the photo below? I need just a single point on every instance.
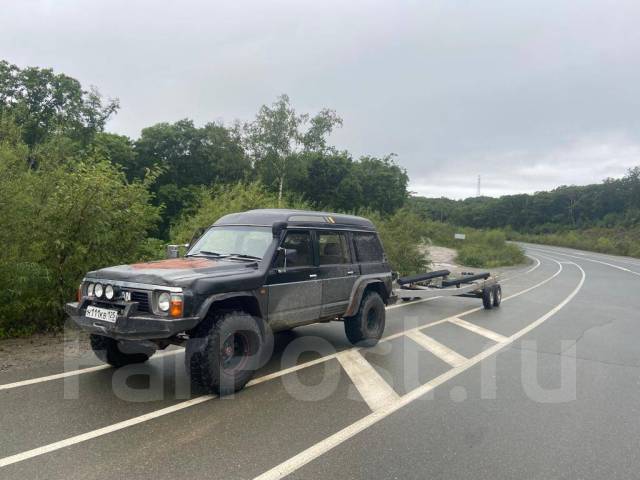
(130, 325)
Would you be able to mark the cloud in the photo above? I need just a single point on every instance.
(530, 94)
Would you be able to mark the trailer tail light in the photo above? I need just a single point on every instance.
(176, 306)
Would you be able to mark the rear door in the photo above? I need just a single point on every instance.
(337, 269)
(295, 292)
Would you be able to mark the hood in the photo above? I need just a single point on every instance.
(173, 271)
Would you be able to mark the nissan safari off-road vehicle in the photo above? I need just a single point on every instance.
(248, 275)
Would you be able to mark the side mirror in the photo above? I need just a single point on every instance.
(173, 251)
(289, 254)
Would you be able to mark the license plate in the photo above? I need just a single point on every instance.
(101, 314)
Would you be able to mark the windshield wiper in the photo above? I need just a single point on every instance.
(207, 254)
(244, 256)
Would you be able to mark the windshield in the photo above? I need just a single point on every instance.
(234, 240)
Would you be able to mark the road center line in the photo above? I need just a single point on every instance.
(371, 386)
(294, 463)
(439, 350)
(584, 257)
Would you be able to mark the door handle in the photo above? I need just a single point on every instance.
(313, 275)
(350, 272)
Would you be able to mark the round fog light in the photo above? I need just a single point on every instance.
(98, 290)
(108, 292)
(164, 301)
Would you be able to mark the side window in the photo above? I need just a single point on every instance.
(301, 243)
(368, 248)
(334, 248)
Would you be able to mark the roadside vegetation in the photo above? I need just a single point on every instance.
(74, 198)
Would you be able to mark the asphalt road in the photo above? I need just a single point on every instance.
(546, 386)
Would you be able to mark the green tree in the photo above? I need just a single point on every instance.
(278, 135)
(44, 103)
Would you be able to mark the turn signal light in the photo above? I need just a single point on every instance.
(176, 306)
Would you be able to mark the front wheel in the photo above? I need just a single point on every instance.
(110, 351)
(365, 328)
(223, 354)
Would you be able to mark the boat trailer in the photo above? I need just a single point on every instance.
(440, 283)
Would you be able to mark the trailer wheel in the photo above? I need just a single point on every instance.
(366, 327)
(497, 295)
(488, 298)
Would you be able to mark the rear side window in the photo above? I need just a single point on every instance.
(301, 243)
(368, 247)
(334, 248)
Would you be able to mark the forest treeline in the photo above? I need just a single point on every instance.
(603, 217)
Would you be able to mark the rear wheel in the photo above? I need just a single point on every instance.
(366, 327)
(488, 296)
(224, 353)
(118, 354)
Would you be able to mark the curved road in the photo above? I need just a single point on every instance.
(544, 387)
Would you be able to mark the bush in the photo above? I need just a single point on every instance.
(403, 237)
(72, 214)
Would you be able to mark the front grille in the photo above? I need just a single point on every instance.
(143, 301)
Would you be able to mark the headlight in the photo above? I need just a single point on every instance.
(164, 301)
(98, 290)
(108, 292)
(90, 289)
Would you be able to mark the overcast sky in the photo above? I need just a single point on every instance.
(529, 94)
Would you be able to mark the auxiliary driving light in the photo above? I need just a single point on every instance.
(98, 290)
(109, 292)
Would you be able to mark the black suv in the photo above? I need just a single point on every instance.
(248, 275)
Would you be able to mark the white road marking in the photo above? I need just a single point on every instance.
(102, 431)
(583, 257)
(491, 335)
(182, 405)
(452, 357)
(412, 302)
(294, 463)
(70, 373)
(371, 386)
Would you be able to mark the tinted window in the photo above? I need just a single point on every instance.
(334, 248)
(301, 243)
(368, 248)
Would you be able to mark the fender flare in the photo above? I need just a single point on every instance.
(203, 311)
(358, 291)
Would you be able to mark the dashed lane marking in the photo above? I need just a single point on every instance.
(371, 386)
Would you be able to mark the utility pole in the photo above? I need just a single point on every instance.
(478, 193)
